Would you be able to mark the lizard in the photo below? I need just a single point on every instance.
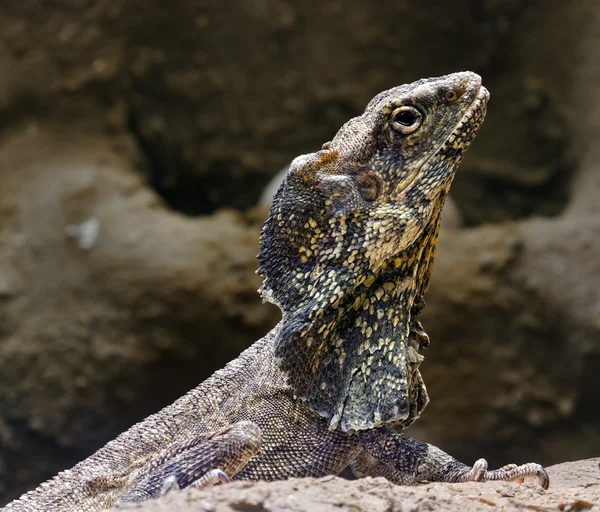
(346, 253)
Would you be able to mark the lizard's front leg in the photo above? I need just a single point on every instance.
(404, 460)
(213, 457)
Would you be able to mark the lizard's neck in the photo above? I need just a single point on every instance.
(357, 362)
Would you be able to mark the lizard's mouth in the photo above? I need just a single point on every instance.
(469, 122)
(466, 128)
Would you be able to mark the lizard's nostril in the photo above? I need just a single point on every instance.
(451, 95)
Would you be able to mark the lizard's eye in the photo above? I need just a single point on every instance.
(406, 120)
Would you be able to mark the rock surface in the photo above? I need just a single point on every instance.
(97, 327)
(574, 486)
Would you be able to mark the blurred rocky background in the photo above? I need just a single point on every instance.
(137, 137)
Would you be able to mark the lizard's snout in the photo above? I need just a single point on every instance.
(460, 85)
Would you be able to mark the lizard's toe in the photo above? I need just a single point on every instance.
(213, 477)
(514, 473)
(479, 470)
(169, 484)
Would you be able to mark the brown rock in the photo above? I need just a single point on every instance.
(574, 486)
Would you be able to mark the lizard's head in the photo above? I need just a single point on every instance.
(347, 250)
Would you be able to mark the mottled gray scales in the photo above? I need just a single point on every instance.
(347, 254)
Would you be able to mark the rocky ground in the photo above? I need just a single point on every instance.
(575, 486)
(135, 140)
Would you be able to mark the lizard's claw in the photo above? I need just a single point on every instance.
(508, 473)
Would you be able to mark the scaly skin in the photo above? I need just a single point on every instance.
(346, 253)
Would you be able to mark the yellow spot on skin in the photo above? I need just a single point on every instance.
(309, 341)
(313, 223)
(369, 281)
(388, 286)
(323, 385)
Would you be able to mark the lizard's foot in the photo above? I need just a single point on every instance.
(206, 460)
(213, 477)
(508, 473)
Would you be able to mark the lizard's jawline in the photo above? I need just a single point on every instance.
(471, 110)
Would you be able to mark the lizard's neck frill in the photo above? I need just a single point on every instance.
(357, 362)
